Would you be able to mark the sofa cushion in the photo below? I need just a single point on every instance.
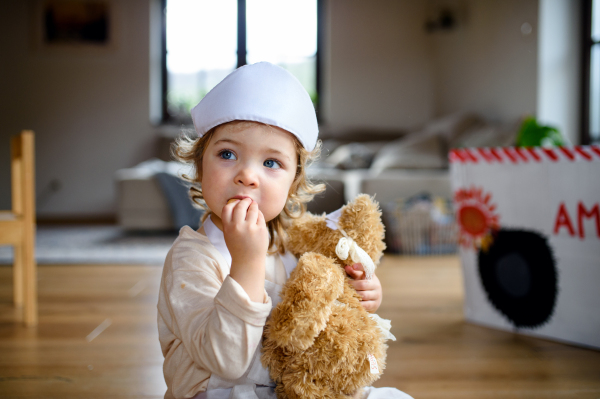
(152, 195)
(452, 126)
(487, 136)
(424, 153)
(354, 155)
(176, 191)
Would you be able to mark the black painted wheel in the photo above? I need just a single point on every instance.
(518, 273)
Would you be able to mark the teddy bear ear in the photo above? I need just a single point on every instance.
(361, 206)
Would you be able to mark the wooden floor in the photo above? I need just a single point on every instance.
(97, 338)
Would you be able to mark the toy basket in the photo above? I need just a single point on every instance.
(420, 225)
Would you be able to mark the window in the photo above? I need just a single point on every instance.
(591, 73)
(204, 40)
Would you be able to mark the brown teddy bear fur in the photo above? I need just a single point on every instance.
(318, 337)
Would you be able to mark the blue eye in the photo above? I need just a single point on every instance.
(226, 154)
(272, 164)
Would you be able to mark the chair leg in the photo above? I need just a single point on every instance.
(30, 277)
(18, 275)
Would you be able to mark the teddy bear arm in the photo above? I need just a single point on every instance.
(315, 283)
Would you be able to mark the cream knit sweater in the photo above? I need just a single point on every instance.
(206, 321)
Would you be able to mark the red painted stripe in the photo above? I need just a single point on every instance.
(534, 154)
(510, 156)
(455, 156)
(470, 155)
(517, 154)
(550, 153)
(583, 154)
(495, 154)
(485, 155)
(451, 156)
(461, 153)
(519, 151)
(567, 153)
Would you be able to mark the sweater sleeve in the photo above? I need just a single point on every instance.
(217, 323)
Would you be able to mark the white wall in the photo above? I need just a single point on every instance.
(378, 69)
(487, 64)
(558, 97)
(90, 112)
(383, 70)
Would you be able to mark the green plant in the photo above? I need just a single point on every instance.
(532, 134)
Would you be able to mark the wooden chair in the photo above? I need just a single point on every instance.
(17, 226)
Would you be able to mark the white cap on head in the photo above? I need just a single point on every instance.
(260, 92)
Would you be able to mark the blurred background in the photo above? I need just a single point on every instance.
(101, 103)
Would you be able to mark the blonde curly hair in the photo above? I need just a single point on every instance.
(190, 150)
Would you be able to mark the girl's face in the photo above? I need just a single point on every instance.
(247, 159)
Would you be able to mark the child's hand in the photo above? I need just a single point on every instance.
(369, 290)
(247, 239)
(245, 230)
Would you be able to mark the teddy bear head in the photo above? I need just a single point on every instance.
(360, 219)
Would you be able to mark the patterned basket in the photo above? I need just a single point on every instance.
(420, 225)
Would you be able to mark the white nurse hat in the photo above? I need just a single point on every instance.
(260, 92)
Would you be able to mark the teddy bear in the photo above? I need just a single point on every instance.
(319, 341)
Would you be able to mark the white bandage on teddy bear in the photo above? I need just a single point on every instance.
(348, 247)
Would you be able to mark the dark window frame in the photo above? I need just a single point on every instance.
(241, 53)
(586, 51)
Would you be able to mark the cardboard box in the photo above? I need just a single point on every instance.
(529, 224)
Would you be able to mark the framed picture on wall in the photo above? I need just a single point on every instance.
(75, 24)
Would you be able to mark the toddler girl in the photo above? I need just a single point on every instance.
(257, 131)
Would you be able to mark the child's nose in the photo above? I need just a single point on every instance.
(247, 176)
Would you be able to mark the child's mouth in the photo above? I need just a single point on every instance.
(236, 198)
